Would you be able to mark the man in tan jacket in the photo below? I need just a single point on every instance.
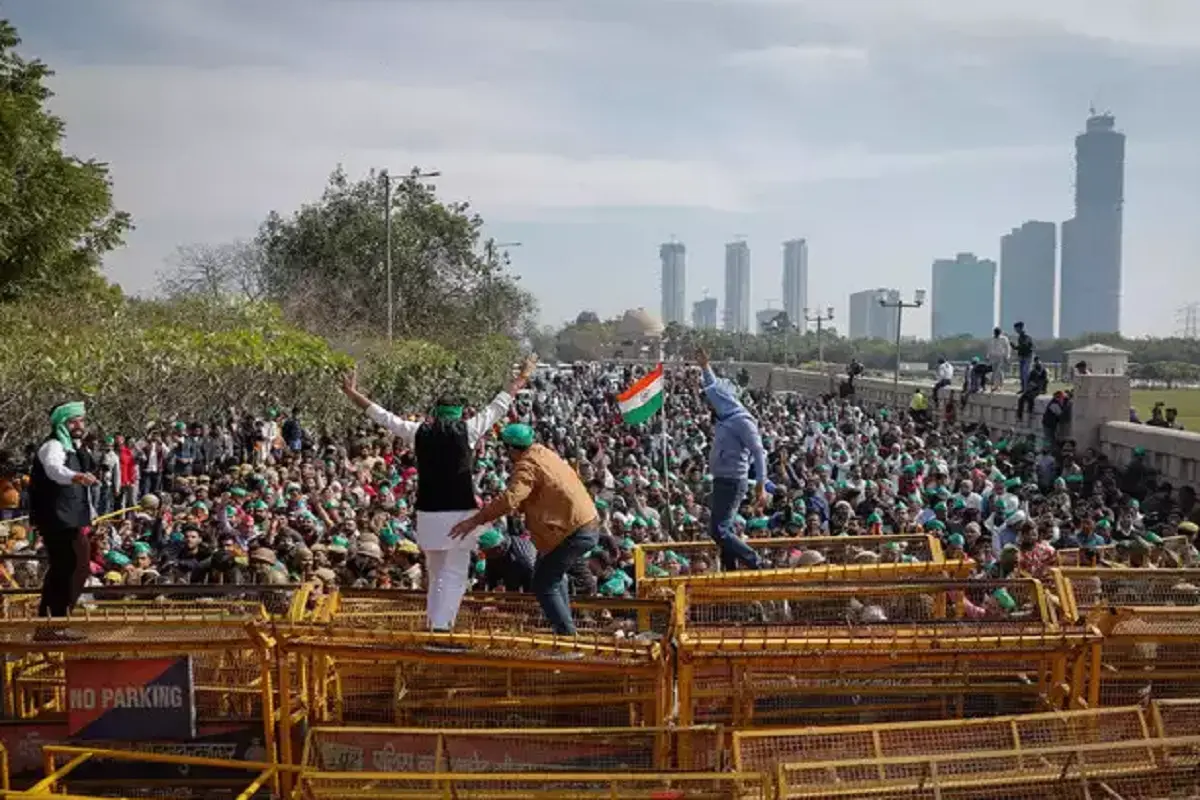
(559, 512)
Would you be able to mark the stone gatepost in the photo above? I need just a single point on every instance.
(1098, 399)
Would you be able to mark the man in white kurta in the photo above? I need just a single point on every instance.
(444, 446)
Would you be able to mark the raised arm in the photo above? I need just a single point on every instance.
(479, 425)
(406, 430)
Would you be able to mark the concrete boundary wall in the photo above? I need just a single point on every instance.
(1100, 417)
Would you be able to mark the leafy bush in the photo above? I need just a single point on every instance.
(138, 362)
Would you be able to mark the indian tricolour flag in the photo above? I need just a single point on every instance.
(644, 399)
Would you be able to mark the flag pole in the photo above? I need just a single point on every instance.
(666, 467)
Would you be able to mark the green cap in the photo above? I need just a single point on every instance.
(237, 491)
(935, 525)
(517, 435)
(141, 549)
(758, 524)
(490, 538)
(1005, 600)
(115, 558)
(939, 506)
(874, 518)
(956, 540)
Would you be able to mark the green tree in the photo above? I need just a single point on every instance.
(56, 211)
(325, 264)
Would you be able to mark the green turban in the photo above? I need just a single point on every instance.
(116, 558)
(956, 540)
(59, 417)
(517, 435)
(141, 549)
(490, 538)
(758, 524)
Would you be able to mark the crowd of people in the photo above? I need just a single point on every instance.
(272, 503)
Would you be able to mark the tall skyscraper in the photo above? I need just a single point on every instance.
(870, 320)
(674, 282)
(737, 287)
(964, 297)
(1027, 263)
(795, 279)
(1090, 291)
(704, 314)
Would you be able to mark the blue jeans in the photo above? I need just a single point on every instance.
(1024, 367)
(727, 494)
(550, 578)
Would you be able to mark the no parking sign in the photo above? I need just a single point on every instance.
(131, 699)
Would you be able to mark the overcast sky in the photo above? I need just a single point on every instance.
(886, 132)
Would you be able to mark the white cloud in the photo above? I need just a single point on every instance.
(789, 56)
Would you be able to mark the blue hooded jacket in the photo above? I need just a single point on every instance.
(736, 439)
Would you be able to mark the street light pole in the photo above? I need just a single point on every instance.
(899, 304)
(387, 225)
(820, 319)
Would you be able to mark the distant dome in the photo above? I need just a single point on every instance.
(639, 324)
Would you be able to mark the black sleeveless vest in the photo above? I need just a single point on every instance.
(444, 460)
(53, 507)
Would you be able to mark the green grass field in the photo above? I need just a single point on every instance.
(1186, 400)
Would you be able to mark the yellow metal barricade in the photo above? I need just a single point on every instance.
(233, 662)
(535, 786)
(830, 653)
(785, 560)
(73, 772)
(763, 750)
(1150, 619)
(1072, 771)
(334, 749)
(471, 680)
(485, 613)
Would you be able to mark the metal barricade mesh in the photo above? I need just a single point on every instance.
(1043, 769)
(704, 556)
(764, 750)
(846, 691)
(1102, 589)
(492, 682)
(502, 613)
(974, 608)
(564, 749)
(676, 786)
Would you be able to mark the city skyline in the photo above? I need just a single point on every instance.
(885, 132)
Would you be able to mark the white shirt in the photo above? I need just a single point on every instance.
(999, 348)
(945, 371)
(477, 426)
(54, 461)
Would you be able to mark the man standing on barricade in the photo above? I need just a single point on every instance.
(60, 510)
(444, 446)
(737, 448)
(559, 512)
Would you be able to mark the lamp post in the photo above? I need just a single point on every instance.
(820, 319)
(387, 224)
(898, 303)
